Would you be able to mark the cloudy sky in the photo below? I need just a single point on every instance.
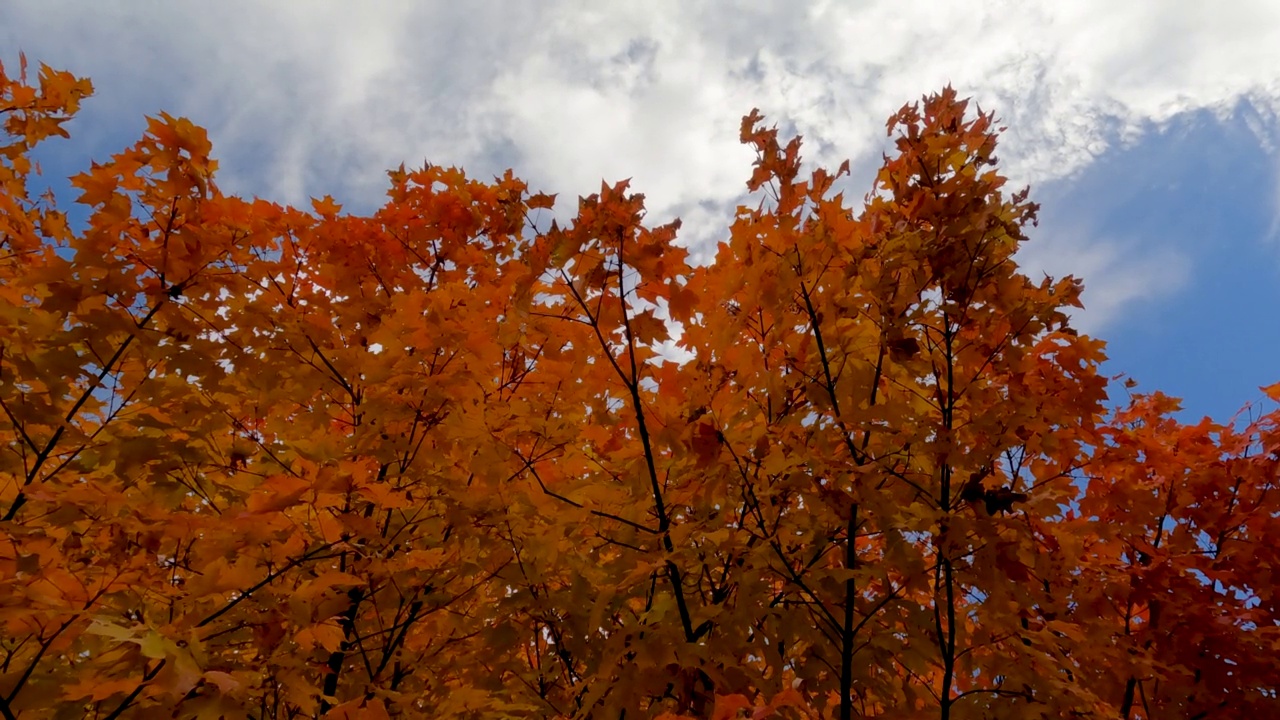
(1147, 129)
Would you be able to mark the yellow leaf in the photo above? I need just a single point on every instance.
(156, 646)
(106, 629)
(329, 635)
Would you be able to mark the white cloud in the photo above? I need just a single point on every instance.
(1117, 272)
(321, 97)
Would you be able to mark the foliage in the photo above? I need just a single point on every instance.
(269, 462)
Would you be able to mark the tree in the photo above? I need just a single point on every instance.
(269, 462)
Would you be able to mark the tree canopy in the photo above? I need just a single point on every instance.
(435, 461)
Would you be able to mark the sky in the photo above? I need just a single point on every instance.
(1148, 130)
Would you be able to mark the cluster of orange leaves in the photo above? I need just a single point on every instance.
(268, 462)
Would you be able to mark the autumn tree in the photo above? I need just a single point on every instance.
(433, 461)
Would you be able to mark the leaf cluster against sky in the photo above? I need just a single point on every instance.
(264, 461)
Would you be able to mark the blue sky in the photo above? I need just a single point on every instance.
(1148, 130)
